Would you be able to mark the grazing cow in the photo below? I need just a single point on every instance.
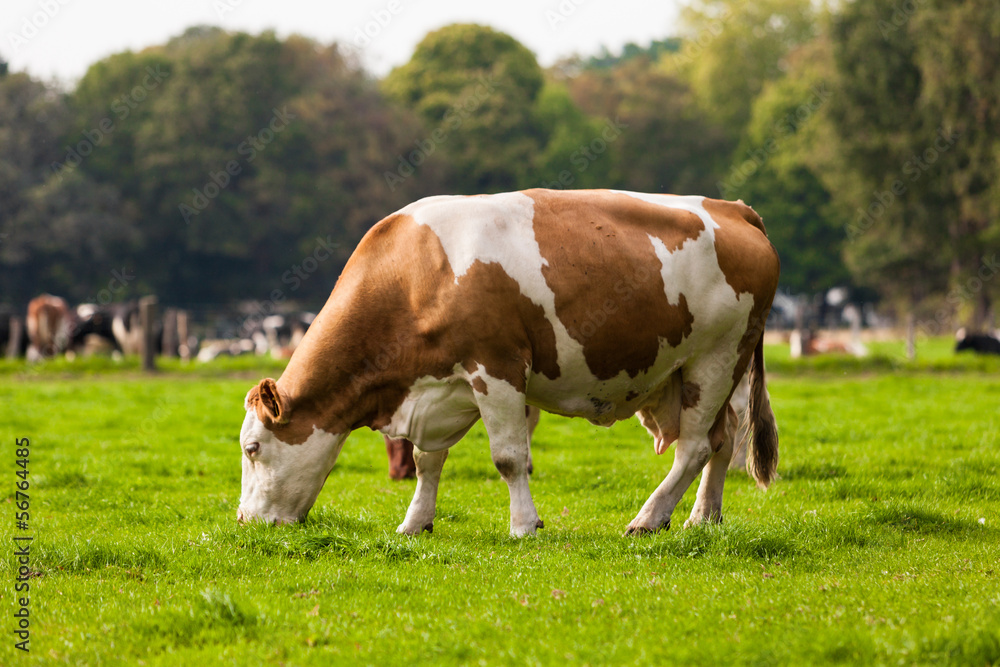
(50, 325)
(400, 450)
(978, 343)
(596, 304)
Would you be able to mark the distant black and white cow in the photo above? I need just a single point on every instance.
(115, 323)
(978, 343)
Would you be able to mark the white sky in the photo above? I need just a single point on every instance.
(59, 39)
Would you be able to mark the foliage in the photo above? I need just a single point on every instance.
(223, 165)
(886, 513)
(477, 87)
(666, 145)
(733, 48)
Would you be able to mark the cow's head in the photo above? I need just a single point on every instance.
(286, 458)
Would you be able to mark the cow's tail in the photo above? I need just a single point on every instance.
(762, 452)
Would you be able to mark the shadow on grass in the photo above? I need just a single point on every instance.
(331, 536)
(215, 613)
(93, 556)
(813, 471)
(62, 479)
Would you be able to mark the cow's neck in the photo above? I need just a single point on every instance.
(337, 376)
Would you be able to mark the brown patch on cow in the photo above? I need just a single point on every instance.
(392, 320)
(690, 395)
(479, 385)
(401, 462)
(605, 274)
(750, 264)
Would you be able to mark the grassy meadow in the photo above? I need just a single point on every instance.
(879, 544)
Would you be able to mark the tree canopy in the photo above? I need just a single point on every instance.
(222, 165)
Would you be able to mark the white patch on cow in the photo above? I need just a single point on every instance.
(500, 229)
(436, 412)
(281, 481)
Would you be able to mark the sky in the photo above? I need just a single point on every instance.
(59, 39)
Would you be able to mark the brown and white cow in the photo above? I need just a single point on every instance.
(50, 325)
(596, 304)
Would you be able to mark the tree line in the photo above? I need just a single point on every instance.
(226, 166)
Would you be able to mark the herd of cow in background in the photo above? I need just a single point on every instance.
(51, 327)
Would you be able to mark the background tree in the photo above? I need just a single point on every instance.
(666, 144)
(305, 136)
(958, 54)
(732, 49)
(898, 204)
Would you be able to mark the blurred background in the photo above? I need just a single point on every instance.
(226, 156)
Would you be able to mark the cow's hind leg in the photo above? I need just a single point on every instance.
(708, 502)
(704, 394)
(420, 515)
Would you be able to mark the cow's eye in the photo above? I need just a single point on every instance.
(252, 448)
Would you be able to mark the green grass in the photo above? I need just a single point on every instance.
(879, 544)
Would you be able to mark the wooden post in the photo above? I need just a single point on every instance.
(182, 335)
(911, 336)
(170, 342)
(148, 312)
(16, 335)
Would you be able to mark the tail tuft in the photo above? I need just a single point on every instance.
(762, 452)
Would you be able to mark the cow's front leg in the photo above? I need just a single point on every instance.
(502, 409)
(420, 515)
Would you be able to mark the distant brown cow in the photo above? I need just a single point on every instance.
(49, 324)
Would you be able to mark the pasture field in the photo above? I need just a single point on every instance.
(879, 544)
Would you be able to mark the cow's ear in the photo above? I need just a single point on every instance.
(272, 408)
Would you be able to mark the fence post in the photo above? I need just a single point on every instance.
(170, 342)
(16, 334)
(182, 335)
(148, 311)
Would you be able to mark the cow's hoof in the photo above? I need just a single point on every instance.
(639, 529)
(695, 521)
(525, 531)
(405, 529)
(539, 524)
